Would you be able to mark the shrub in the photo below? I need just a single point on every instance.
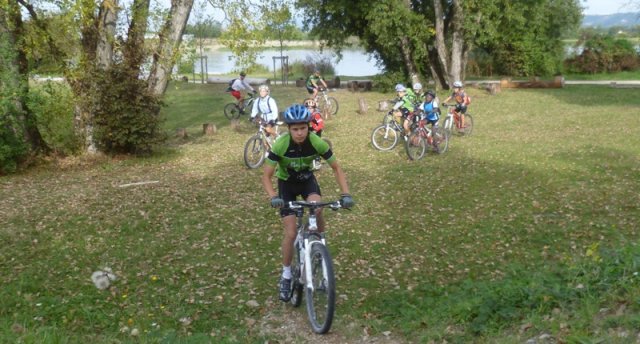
(604, 54)
(320, 62)
(125, 113)
(386, 82)
(52, 105)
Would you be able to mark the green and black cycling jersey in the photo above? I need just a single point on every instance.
(294, 160)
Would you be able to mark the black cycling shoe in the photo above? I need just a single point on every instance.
(285, 289)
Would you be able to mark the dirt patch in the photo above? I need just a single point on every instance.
(285, 324)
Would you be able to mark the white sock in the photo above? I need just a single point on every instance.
(286, 272)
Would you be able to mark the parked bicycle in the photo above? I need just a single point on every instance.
(233, 111)
(326, 104)
(454, 123)
(258, 145)
(423, 138)
(312, 267)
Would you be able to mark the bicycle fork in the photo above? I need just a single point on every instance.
(306, 265)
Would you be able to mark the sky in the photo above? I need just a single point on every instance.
(593, 7)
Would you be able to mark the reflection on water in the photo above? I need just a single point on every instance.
(353, 62)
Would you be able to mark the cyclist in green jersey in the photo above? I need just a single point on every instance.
(313, 83)
(405, 107)
(290, 160)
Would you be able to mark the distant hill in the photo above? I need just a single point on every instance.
(617, 19)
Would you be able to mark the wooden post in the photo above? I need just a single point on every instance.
(494, 89)
(362, 106)
(209, 129)
(181, 133)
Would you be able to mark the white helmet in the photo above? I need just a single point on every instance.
(264, 87)
(400, 88)
(457, 84)
(417, 86)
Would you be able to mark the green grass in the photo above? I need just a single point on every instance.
(527, 227)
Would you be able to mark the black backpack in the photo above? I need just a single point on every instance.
(229, 89)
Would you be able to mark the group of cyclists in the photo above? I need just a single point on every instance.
(292, 157)
(413, 104)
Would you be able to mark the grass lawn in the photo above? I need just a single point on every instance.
(529, 227)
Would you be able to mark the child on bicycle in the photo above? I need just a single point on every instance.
(317, 125)
(313, 83)
(462, 101)
(266, 106)
(431, 111)
(238, 85)
(290, 160)
(405, 107)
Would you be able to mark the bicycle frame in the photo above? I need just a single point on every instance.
(305, 234)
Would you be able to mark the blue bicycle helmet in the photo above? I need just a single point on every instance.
(297, 113)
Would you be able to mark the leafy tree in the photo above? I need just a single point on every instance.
(437, 36)
(19, 134)
(98, 49)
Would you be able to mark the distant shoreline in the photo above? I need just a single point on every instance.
(214, 44)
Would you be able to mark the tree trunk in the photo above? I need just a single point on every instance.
(106, 33)
(457, 42)
(11, 26)
(169, 41)
(407, 56)
(134, 47)
(442, 54)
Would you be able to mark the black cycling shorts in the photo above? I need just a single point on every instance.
(310, 89)
(289, 191)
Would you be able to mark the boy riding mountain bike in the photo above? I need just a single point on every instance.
(313, 84)
(462, 101)
(266, 106)
(290, 160)
(405, 107)
(238, 85)
(317, 124)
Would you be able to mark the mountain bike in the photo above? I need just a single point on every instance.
(385, 137)
(312, 267)
(258, 145)
(233, 111)
(326, 104)
(453, 122)
(422, 138)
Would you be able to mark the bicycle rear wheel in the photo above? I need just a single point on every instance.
(467, 128)
(415, 146)
(384, 137)
(254, 152)
(231, 111)
(321, 301)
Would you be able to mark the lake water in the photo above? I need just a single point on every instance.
(353, 62)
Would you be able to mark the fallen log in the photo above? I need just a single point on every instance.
(226, 80)
(557, 82)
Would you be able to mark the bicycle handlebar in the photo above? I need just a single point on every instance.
(335, 205)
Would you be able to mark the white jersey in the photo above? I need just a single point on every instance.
(266, 107)
(240, 84)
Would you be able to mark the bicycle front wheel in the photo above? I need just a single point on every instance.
(331, 106)
(321, 301)
(415, 146)
(231, 111)
(254, 152)
(384, 137)
(440, 140)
